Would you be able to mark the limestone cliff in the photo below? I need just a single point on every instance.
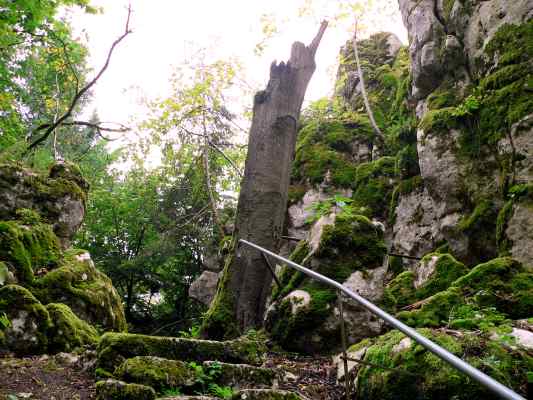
(452, 186)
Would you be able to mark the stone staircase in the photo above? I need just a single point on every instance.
(139, 367)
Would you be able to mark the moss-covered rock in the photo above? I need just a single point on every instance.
(111, 389)
(58, 198)
(419, 374)
(502, 284)
(400, 291)
(157, 372)
(190, 377)
(302, 315)
(115, 348)
(28, 248)
(437, 272)
(68, 331)
(88, 292)
(373, 186)
(29, 322)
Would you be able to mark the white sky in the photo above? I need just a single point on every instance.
(166, 32)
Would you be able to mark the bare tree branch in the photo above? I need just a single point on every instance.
(84, 89)
(379, 135)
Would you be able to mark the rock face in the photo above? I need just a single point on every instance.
(50, 297)
(452, 188)
(474, 138)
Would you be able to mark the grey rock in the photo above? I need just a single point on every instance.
(59, 198)
(416, 226)
(520, 232)
(204, 287)
(114, 389)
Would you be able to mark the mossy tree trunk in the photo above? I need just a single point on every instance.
(245, 285)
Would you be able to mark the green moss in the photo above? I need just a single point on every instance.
(70, 172)
(501, 225)
(290, 278)
(408, 162)
(404, 187)
(502, 283)
(219, 321)
(193, 377)
(87, 291)
(418, 374)
(296, 193)
(156, 372)
(439, 121)
(444, 96)
(325, 145)
(316, 160)
(117, 390)
(28, 248)
(27, 216)
(30, 321)
(353, 241)
(301, 331)
(435, 310)
(374, 184)
(68, 331)
(447, 270)
(114, 348)
(400, 292)
(503, 94)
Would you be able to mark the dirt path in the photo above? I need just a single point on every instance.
(63, 377)
(45, 378)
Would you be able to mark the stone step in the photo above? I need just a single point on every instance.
(161, 373)
(112, 389)
(248, 394)
(115, 348)
(118, 390)
(265, 394)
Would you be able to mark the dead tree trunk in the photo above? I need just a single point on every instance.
(241, 297)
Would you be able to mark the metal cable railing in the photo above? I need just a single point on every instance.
(485, 380)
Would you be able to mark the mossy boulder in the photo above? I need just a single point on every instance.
(59, 197)
(112, 389)
(68, 331)
(350, 249)
(25, 249)
(28, 324)
(409, 371)
(115, 348)
(502, 284)
(88, 292)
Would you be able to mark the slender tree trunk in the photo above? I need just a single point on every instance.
(380, 138)
(245, 285)
(212, 201)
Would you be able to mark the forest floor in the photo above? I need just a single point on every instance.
(59, 377)
(67, 377)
